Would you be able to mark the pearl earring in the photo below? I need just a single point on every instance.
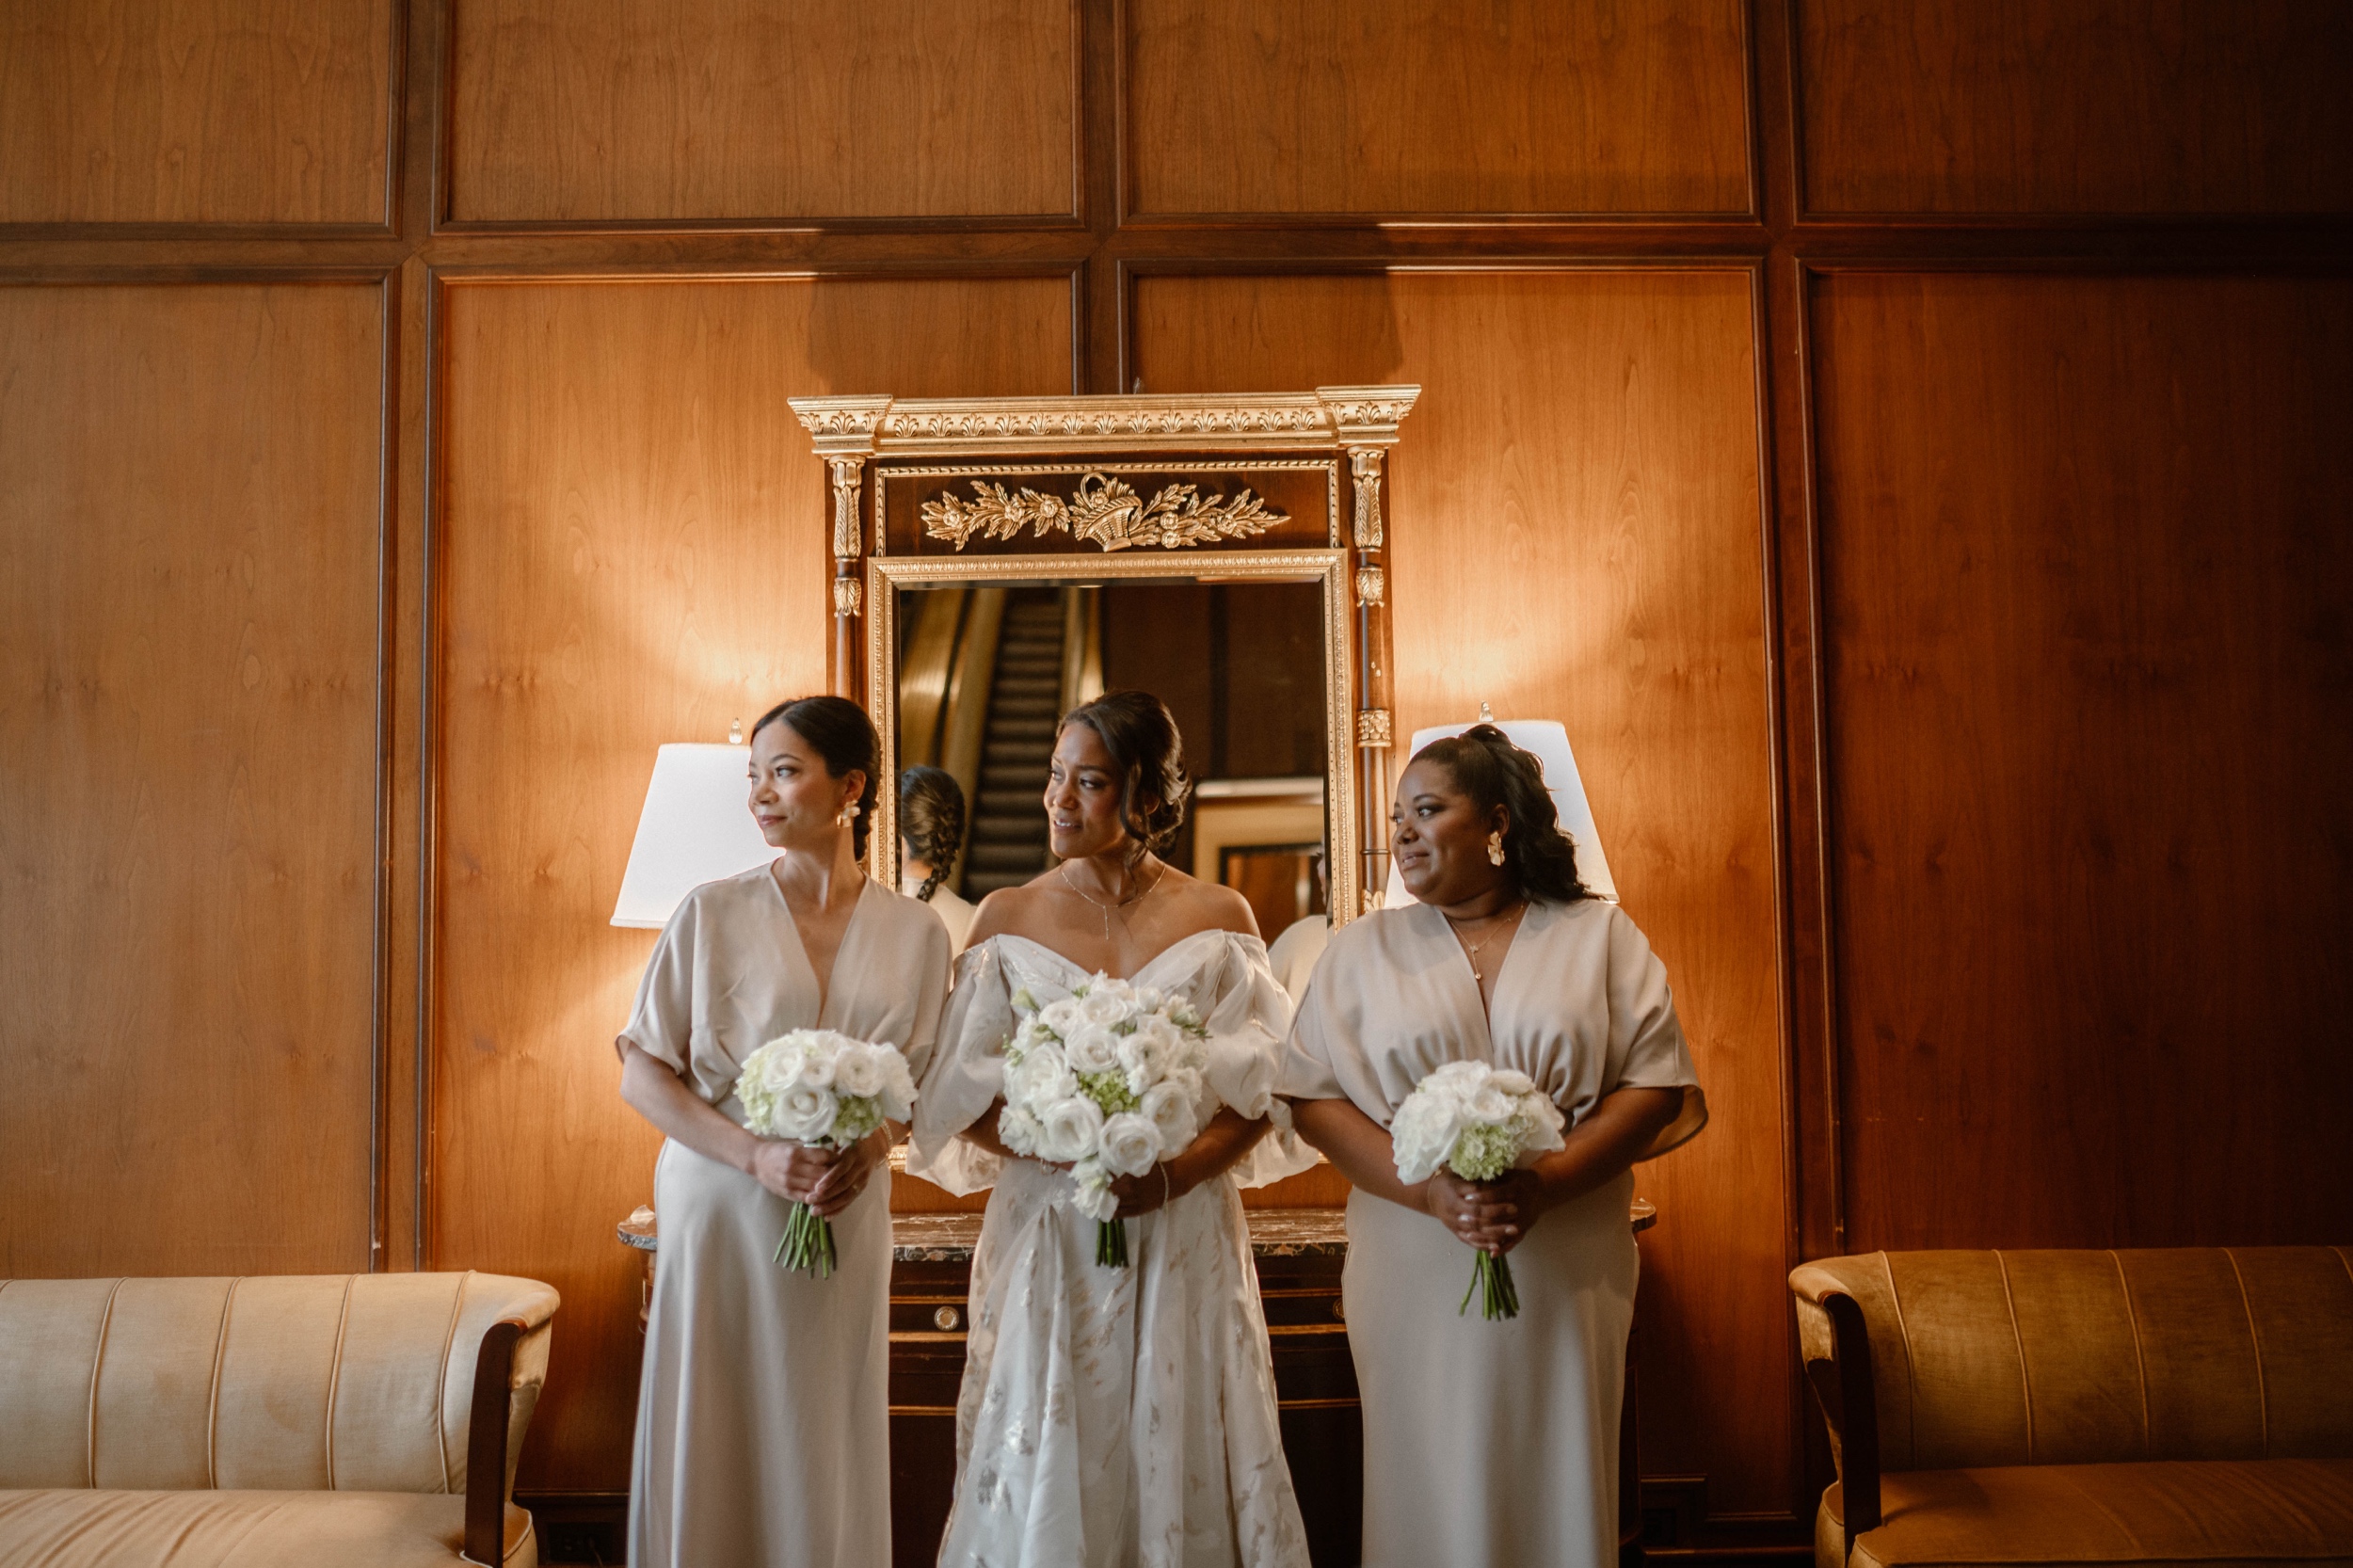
(849, 815)
(1495, 848)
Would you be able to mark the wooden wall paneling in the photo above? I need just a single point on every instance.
(1578, 535)
(632, 549)
(188, 641)
(2085, 568)
(239, 112)
(1343, 107)
(2076, 106)
(711, 111)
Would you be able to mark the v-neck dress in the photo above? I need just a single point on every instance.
(1114, 1417)
(1490, 1444)
(763, 1404)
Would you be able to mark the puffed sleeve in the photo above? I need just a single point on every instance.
(964, 1076)
(662, 1023)
(1646, 1045)
(1308, 1073)
(1247, 1017)
(933, 964)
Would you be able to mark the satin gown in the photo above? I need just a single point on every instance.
(1114, 1416)
(763, 1404)
(1492, 1444)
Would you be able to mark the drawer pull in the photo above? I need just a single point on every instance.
(1337, 1310)
(949, 1318)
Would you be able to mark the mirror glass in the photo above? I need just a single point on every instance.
(984, 672)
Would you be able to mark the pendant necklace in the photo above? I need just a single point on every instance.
(1107, 908)
(1474, 949)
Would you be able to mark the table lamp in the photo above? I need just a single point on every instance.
(1550, 743)
(696, 828)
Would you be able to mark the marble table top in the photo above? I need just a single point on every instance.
(949, 1237)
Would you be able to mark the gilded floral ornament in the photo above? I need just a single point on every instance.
(1104, 511)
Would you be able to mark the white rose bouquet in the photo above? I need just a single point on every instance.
(1479, 1122)
(1106, 1081)
(815, 1086)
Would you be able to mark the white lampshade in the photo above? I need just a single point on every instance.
(1550, 744)
(696, 828)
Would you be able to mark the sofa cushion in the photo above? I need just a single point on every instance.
(2209, 1512)
(248, 1530)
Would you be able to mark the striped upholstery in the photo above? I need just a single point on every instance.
(355, 1382)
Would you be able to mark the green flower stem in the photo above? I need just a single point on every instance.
(806, 1246)
(1111, 1243)
(1490, 1281)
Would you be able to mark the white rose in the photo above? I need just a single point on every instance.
(1490, 1104)
(816, 1066)
(803, 1113)
(1105, 1006)
(1131, 1144)
(898, 1090)
(1512, 1082)
(1092, 1048)
(1060, 1015)
(1070, 1128)
(1094, 1196)
(1020, 1130)
(860, 1071)
(1170, 1111)
(1424, 1131)
(1042, 1078)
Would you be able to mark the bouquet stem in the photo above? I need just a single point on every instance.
(1111, 1243)
(808, 1244)
(1491, 1272)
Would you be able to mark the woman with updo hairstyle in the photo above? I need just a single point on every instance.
(1489, 1444)
(763, 1402)
(931, 836)
(1115, 1414)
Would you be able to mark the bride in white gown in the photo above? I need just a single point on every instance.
(1115, 1416)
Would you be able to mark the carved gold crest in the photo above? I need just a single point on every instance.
(1104, 511)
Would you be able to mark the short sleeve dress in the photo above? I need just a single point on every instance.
(763, 1408)
(1492, 1444)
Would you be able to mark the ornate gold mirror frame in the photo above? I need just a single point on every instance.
(1096, 490)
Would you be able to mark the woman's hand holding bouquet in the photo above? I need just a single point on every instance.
(1467, 1130)
(823, 1094)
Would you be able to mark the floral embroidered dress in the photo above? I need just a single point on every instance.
(1114, 1416)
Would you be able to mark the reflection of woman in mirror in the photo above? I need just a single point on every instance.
(1490, 1443)
(763, 1409)
(930, 831)
(1115, 1414)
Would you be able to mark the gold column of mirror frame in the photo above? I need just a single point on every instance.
(988, 444)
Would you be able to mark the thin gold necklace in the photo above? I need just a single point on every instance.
(1474, 949)
(1107, 908)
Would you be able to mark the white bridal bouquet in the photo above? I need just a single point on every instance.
(1107, 1079)
(1479, 1122)
(815, 1086)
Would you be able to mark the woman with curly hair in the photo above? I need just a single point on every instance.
(1491, 1444)
(931, 836)
(1116, 1414)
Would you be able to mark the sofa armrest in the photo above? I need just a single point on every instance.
(486, 1445)
(1849, 1400)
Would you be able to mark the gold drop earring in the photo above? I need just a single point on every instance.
(1495, 847)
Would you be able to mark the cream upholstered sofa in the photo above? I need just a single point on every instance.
(2178, 1407)
(356, 1420)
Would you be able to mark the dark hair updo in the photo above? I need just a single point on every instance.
(930, 820)
(841, 734)
(1487, 767)
(1141, 735)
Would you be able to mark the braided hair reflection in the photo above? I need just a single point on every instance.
(931, 821)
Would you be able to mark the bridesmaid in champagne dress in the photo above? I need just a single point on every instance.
(1116, 1416)
(763, 1409)
(1489, 1445)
